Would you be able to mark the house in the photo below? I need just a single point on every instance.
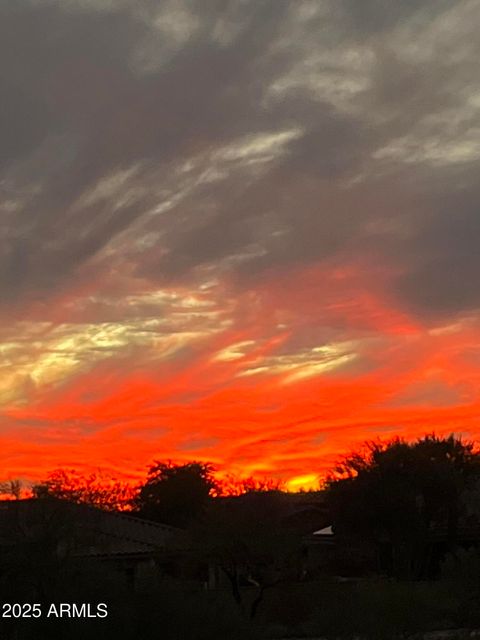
(263, 536)
(139, 552)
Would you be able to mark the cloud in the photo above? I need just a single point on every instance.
(252, 192)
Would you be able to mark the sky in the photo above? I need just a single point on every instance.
(243, 232)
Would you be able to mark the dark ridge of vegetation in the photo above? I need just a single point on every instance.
(393, 495)
(406, 559)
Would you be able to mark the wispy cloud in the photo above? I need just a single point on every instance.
(244, 226)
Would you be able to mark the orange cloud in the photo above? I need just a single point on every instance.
(277, 383)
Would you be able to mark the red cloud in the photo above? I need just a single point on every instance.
(230, 397)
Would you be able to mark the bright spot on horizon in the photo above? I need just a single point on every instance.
(307, 482)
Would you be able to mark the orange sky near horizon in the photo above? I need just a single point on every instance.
(276, 383)
(236, 232)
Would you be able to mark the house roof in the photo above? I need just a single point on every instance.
(95, 532)
(326, 531)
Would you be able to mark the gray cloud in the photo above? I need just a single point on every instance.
(191, 139)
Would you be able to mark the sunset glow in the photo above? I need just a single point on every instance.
(223, 240)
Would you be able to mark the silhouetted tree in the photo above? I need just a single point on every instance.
(176, 494)
(394, 494)
(105, 493)
(230, 485)
(245, 539)
(13, 489)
